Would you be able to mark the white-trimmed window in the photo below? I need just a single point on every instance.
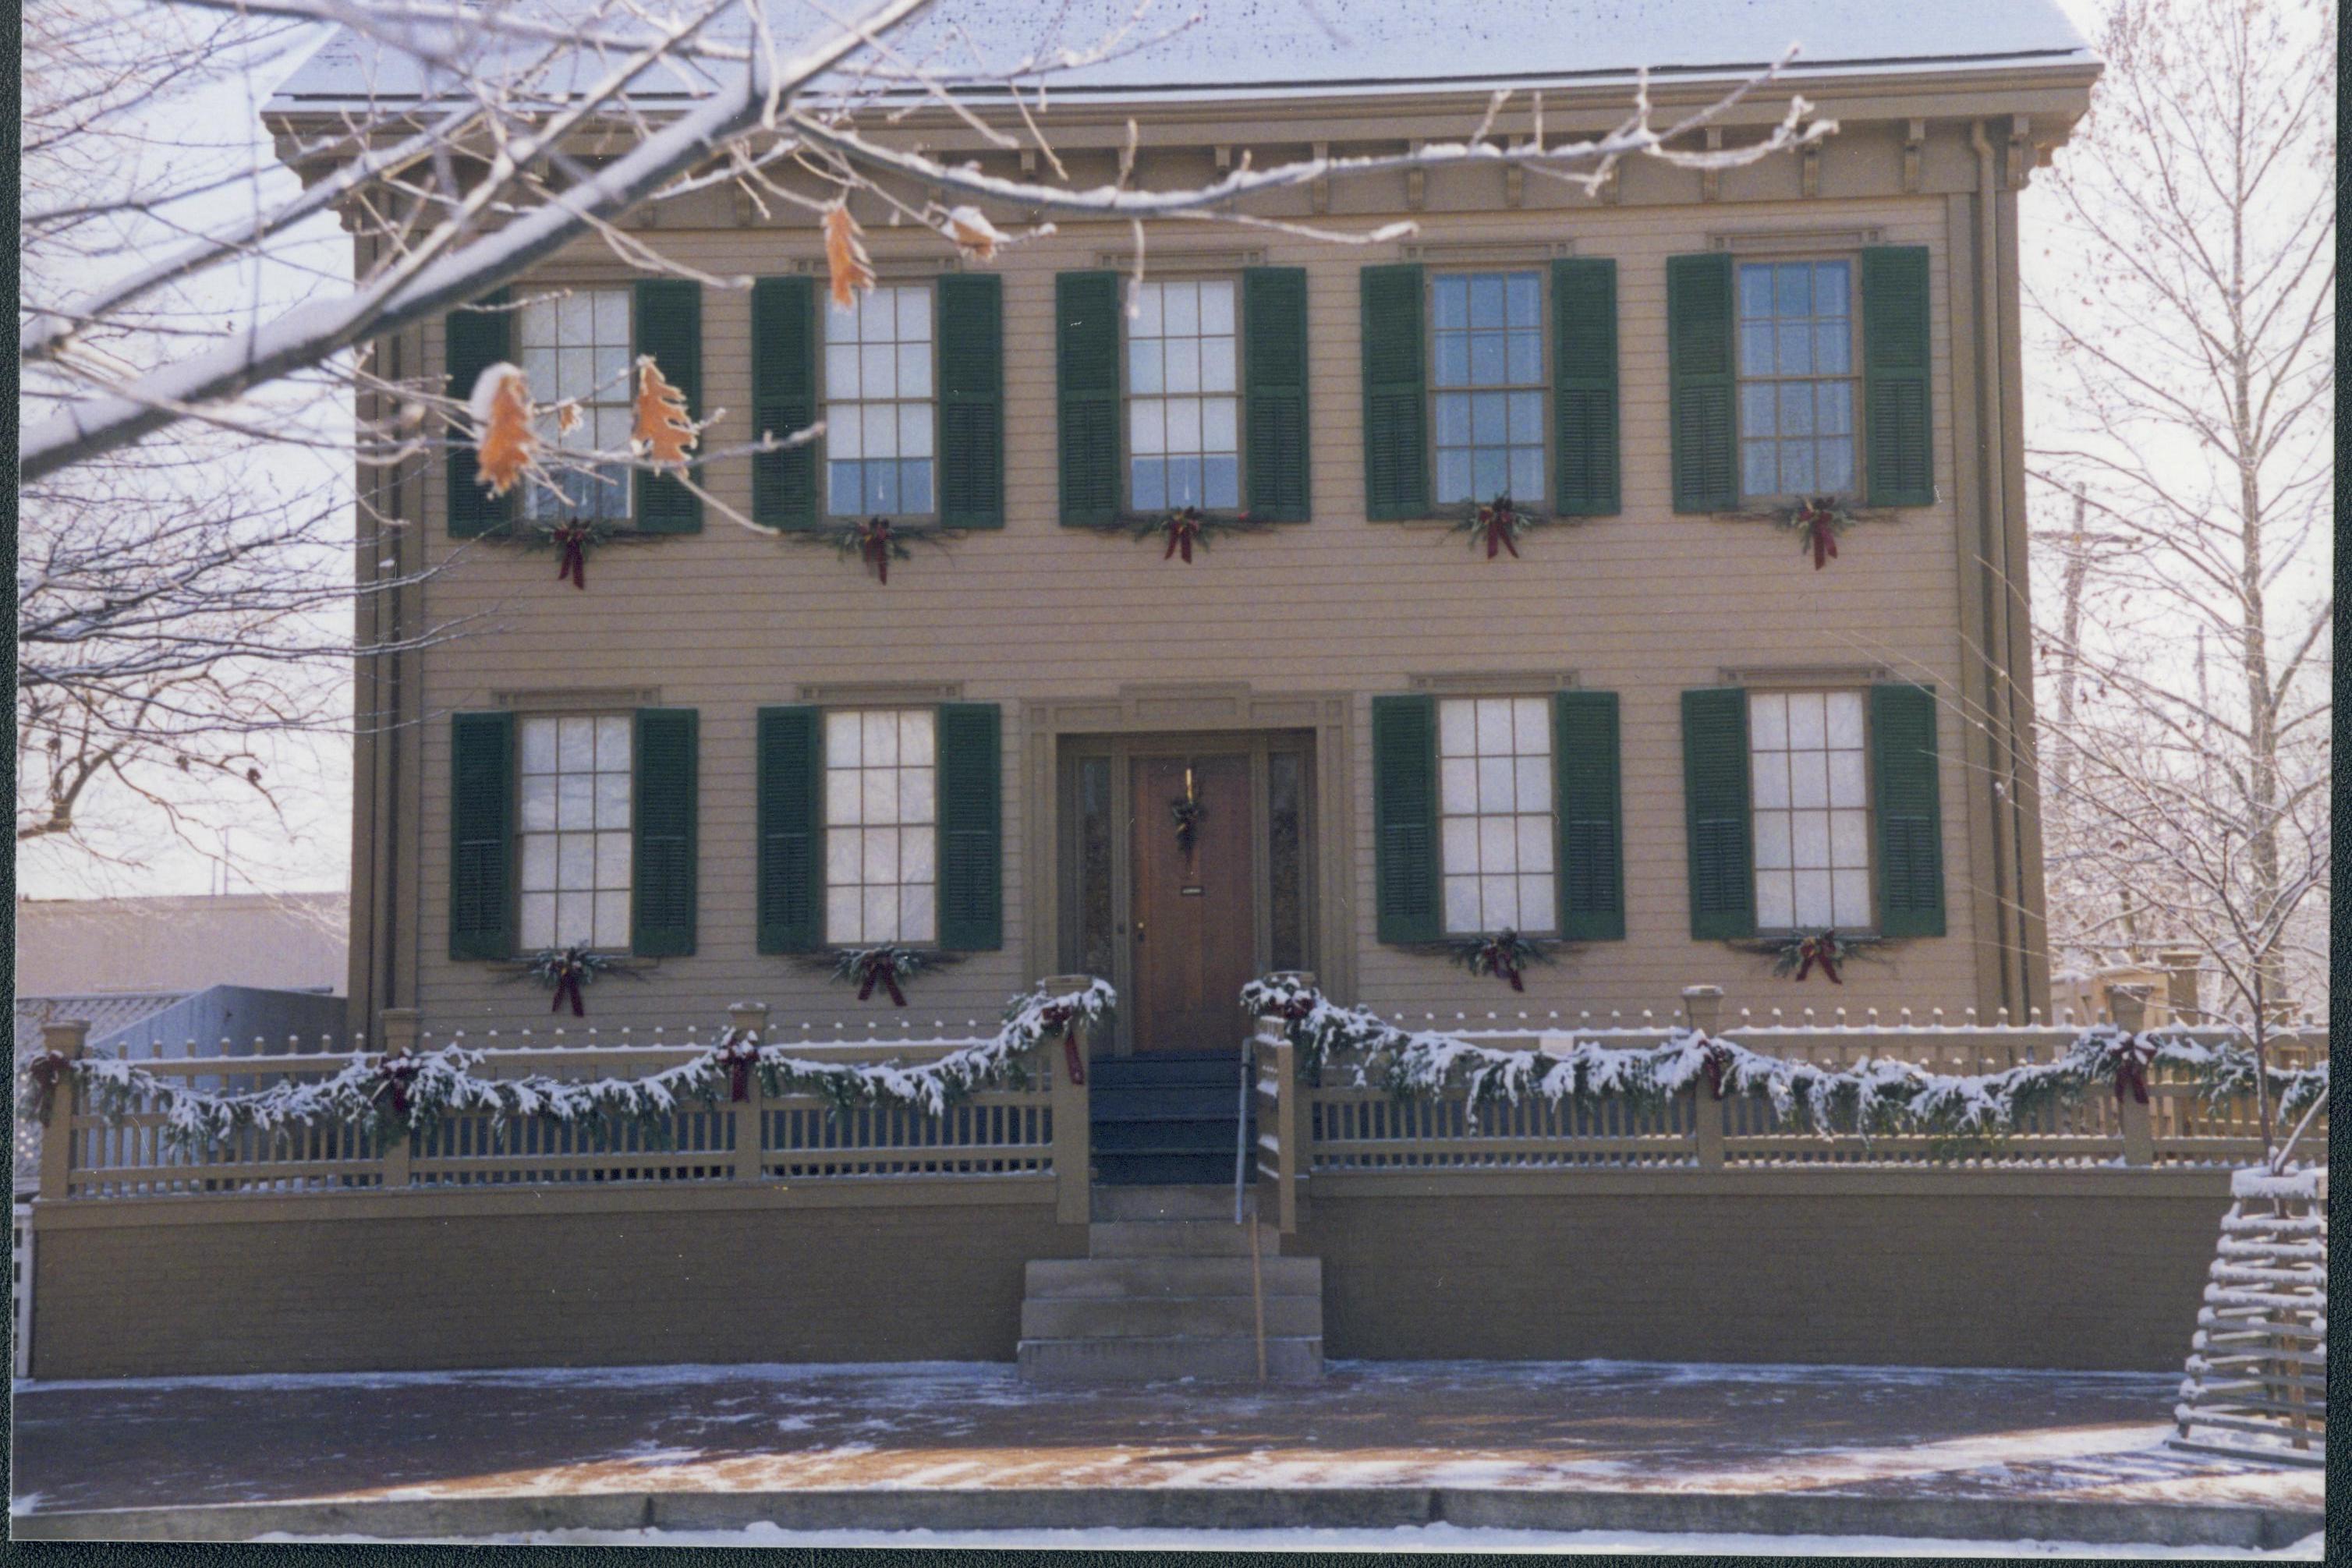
(1183, 411)
(575, 348)
(1797, 378)
(574, 782)
(878, 413)
(1811, 780)
(1487, 343)
(1494, 807)
(881, 832)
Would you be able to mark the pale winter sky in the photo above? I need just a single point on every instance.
(311, 848)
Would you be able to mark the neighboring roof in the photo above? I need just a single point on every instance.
(81, 946)
(1250, 48)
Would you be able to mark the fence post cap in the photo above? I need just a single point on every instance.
(65, 1036)
(2128, 1003)
(1303, 978)
(1703, 1006)
(752, 1016)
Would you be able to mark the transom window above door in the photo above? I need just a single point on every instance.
(1494, 805)
(1183, 406)
(878, 404)
(575, 348)
(881, 826)
(1797, 378)
(1486, 339)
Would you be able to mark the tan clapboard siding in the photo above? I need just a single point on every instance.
(1646, 604)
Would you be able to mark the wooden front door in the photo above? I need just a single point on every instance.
(1191, 910)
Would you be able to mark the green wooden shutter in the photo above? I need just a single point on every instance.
(1584, 385)
(472, 342)
(971, 827)
(1405, 818)
(783, 400)
(1273, 389)
(662, 883)
(668, 325)
(481, 835)
(1396, 411)
(971, 401)
(1592, 860)
(791, 916)
(1085, 315)
(1909, 812)
(1715, 795)
(1896, 376)
(1702, 381)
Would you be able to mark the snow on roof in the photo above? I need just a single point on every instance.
(1251, 48)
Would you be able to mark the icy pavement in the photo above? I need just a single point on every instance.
(1589, 1426)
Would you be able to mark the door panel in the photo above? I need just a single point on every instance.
(1192, 914)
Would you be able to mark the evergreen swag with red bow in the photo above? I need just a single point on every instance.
(1184, 528)
(878, 541)
(1798, 955)
(570, 539)
(1506, 956)
(1498, 524)
(888, 969)
(565, 971)
(1817, 521)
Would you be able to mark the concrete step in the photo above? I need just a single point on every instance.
(1288, 1359)
(1125, 1071)
(1151, 1277)
(1175, 1239)
(1162, 1170)
(1166, 1202)
(1159, 1102)
(1167, 1317)
(1168, 1135)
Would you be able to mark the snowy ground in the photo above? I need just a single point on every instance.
(1591, 1426)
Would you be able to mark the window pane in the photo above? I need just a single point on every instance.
(914, 430)
(1526, 358)
(1834, 464)
(1489, 362)
(1527, 474)
(1526, 419)
(1453, 419)
(1487, 309)
(1490, 473)
(1526, 300)
(1489, 419)
(1758, 474)
(1217, 364)
(1797, 465)
(1182, 304)
(1218, 424)
(1834, 406)
(1755, 347)
(915, 369)
(1833, 347)
(882, 486)
(1219, 482)
(1450, 299)
(1454, 475)
(1797, 409)
(1217, 307)
(1793, 351)
(1830, 278)
(1181, 361)
(915, 486)
(1452, 359)
(1792, 289)
(1148, 484)
(1184, 481)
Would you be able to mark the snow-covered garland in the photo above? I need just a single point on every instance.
(1873, 1096)
(395, 1095)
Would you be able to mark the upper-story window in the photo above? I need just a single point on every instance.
(881, 826)
(878, 409)
(574, 782)
(1495, 813)
(1797, 378)
(1184, 408)
(1811, 792)
(575, 348)
(1486, 334)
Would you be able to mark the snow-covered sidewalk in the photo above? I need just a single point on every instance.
(1552, 1427)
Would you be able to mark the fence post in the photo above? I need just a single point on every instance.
(1703, 1005)
(750, 1162)
(66, 1037)
(2128, 1006)
(402, 1028)
(1284, 1113)
(2180, 965)
(1073, 1134)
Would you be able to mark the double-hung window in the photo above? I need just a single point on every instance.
(1486, 336)
(879, 412)
(575, 350)
(1183, 407)
(1809, 782)
(1797, 379)
(1494, 805)
(881, 826)
(574, 774)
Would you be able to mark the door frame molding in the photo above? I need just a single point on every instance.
(1174, 709)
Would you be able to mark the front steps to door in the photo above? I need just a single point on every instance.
(1164, 1293)
(1165, 1118)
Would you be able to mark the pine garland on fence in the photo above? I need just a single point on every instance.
(391, 1096)
(1872, 1096)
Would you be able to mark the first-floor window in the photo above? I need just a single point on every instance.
(575, 350)
(881, 826)
(574, 781)
(1494, 805)
(1812, 809)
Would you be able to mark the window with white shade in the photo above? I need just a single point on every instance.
(881, 827)
(1797, 378)
(1811, 792)
(878, 413)
(574, 781)
(1487, 343)
(1182, 410)
(1494, 805)
(575, 350)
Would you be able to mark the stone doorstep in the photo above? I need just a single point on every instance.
(1202, 1357)
(1157, 1317)
(1205, 1508)
(1176, 1239)
(1118, 1277)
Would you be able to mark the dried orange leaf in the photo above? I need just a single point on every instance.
(505, 444)
(974, 233)
(567, 416)
(663, 429)
(845, 255)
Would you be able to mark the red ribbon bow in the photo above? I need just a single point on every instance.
(2132, 1057)
(396, 1073)
(569, 973)
(874, 547)
(1184, 528)
(1715, 1061)
(879, 968)
(571, 540)
(1501, 955)
(1821, 950)
(1819, 525)
(48, 1071)
(740, 1055)
(1501, 524)
(1066, 1020)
